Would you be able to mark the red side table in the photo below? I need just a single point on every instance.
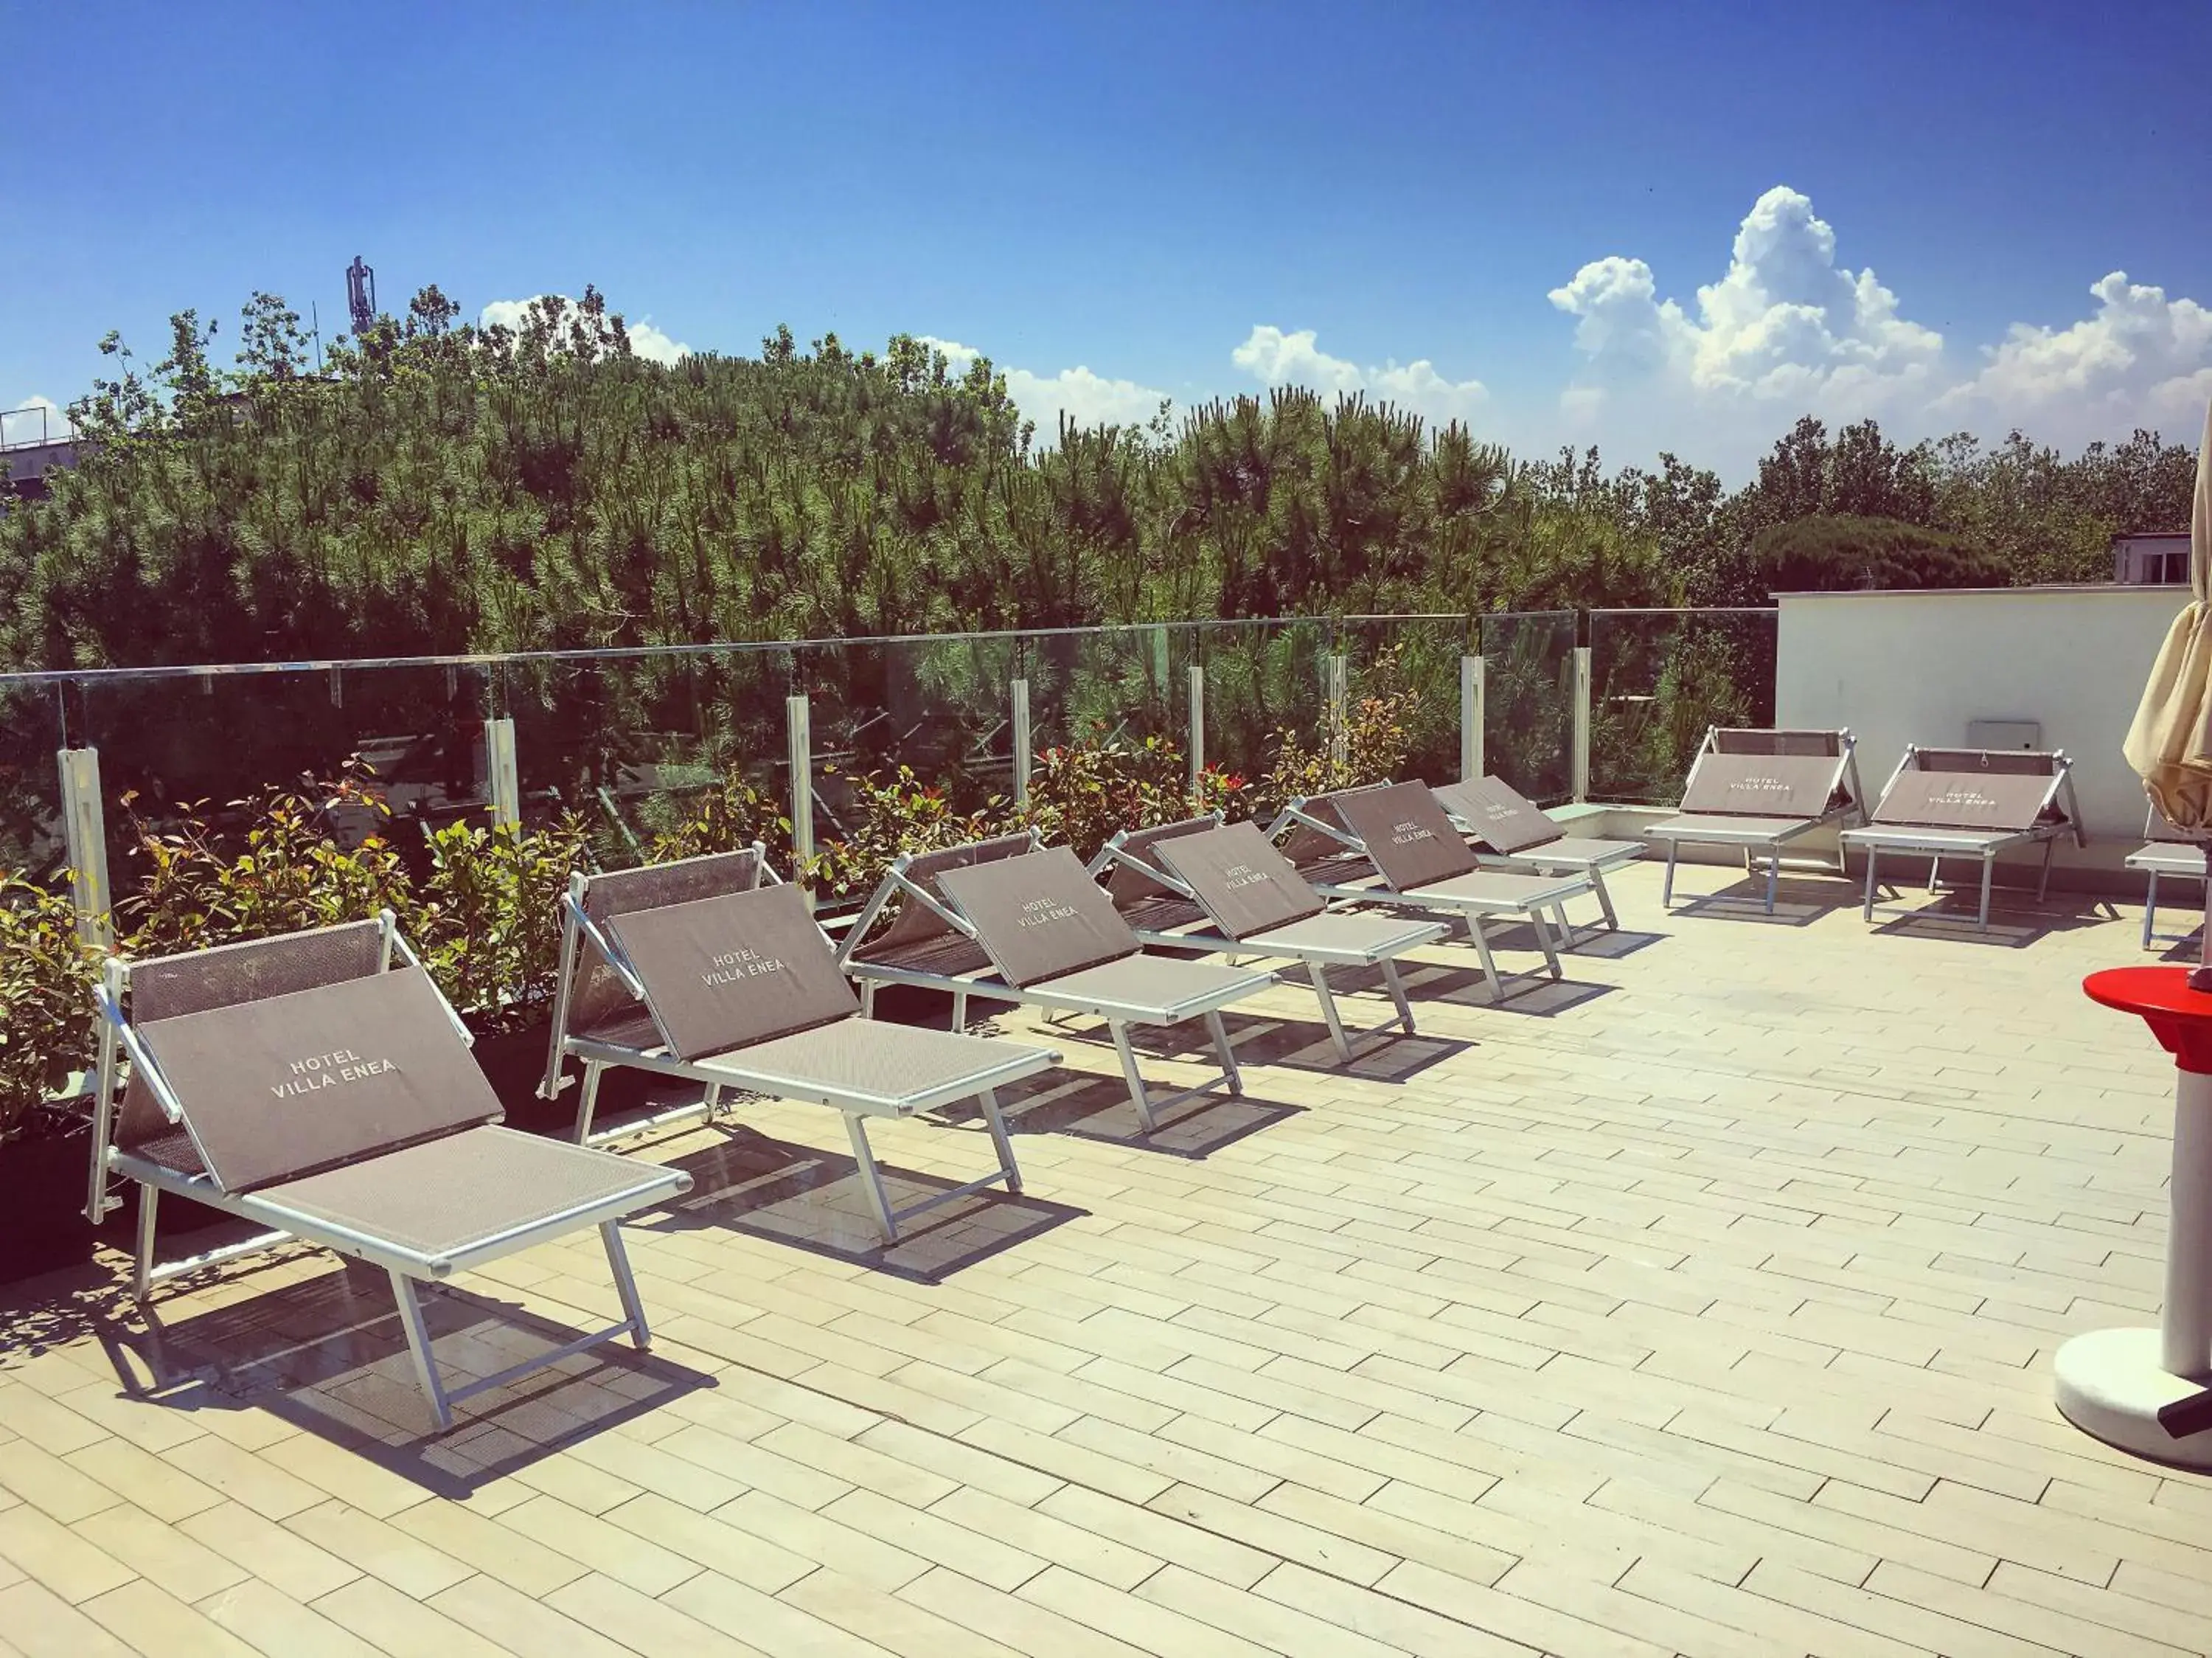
(2150, 1390)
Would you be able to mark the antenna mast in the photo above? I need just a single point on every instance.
(361, 295)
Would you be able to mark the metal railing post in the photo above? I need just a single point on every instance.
(1470, 717)
(798, 721)
(1018, 690)
(505, 781)
(1197, 727)
(1337, 675)
(1582, 754)
(84, 830)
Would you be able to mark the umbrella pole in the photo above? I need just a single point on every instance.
(2200, 976)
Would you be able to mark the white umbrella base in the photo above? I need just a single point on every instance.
(2113, 1384)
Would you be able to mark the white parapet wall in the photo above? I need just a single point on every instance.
(1919, 667)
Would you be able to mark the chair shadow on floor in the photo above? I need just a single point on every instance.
(1259, 1038)
(326, 1354)
(1592, 943)
(2016, 920)
(1799, 901)
(1531, 994)
(745, 1182)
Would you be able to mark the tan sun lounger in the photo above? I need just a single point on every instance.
(711, 970)
(1392, 844)
(1969, 802)
(1759, 791)
(1199, 884)
(2166, 851)
(1511, 831)
(318, 1085)
(1008, 921)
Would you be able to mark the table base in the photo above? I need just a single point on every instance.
(2112, 1384)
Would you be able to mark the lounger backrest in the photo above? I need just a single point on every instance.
(280, 1085)
(916, 923)
(1245, 884)
(1498, 814)
(1975, 788)
(169, 987)
(1739, 740)
(1407, 834)
(722, 973)
(599, 1003)
(1126, 880)
(1315, 852)
(1041, 915)
(1770, 784)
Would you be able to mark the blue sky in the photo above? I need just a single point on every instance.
(1504, 213)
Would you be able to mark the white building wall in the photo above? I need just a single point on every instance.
(1899, 668)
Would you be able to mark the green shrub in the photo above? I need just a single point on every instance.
(902, 815)
(46, 975)
(490, 916)
(1369, 745)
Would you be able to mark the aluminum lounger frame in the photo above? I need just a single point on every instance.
(1298, 814)
(728, 1071)
(1533, 860)
(1876, 838)
(1118, 1015)
(1771, 841)
(2164, 855)
(1315, 958)
(118, 1040)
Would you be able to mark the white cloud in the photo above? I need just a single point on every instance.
(34, 420)
(1087, 399)
(1276, 358)
(1788, 330)
(645, 341)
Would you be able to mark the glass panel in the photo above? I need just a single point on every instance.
(216, 741)
(939, 706)
(32, 842)
(1108, 685)
(646, 748)
(1658, 679)
(1528, 697)
(1261, 678)
(1420, 654)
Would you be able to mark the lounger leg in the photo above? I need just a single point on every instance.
(992, 1120)
(141, 1275)
(626, 1286)
(1566, 934)
(2150, 910)
(1396, 986)
(1666, 886)
(1131, 1075)
(1604, 898)
(1235, 1076)
(1544, 942)
(587, 1102)
(867, 999)
(1874, 857)
(1319, 975)
(1773, 877)
(2043, 884)
(418, 1343)
(1489, 967)
(1989, 868)
(959, 1010)
(871, 1179)
(1934, 872)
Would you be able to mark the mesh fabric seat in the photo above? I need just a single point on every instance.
(1969, 802)
(1761, 791)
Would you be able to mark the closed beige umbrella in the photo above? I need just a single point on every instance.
(2169, 744)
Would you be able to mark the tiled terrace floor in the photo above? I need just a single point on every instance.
(1708, 1309)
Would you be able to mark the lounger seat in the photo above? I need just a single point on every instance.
(1054, 940)
(1969, 802)
(1202, 884)
(318, 1085)
(1508, 831)
(457, 1202)
(1393, 844)
(1759, 791)
(711, 970)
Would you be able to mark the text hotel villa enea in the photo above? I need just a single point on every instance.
(328, 1070)
(731, 966)
(1039, 912)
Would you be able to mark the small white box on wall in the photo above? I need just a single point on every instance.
(2004, 734)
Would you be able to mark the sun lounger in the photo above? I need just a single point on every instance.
(1392, 844)
(1199, 884)
(318, 1085)
(711, 970)
(1969, 802)
(1511, 831)
(2166, 850)
(1759, 791)
(1007, 921)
